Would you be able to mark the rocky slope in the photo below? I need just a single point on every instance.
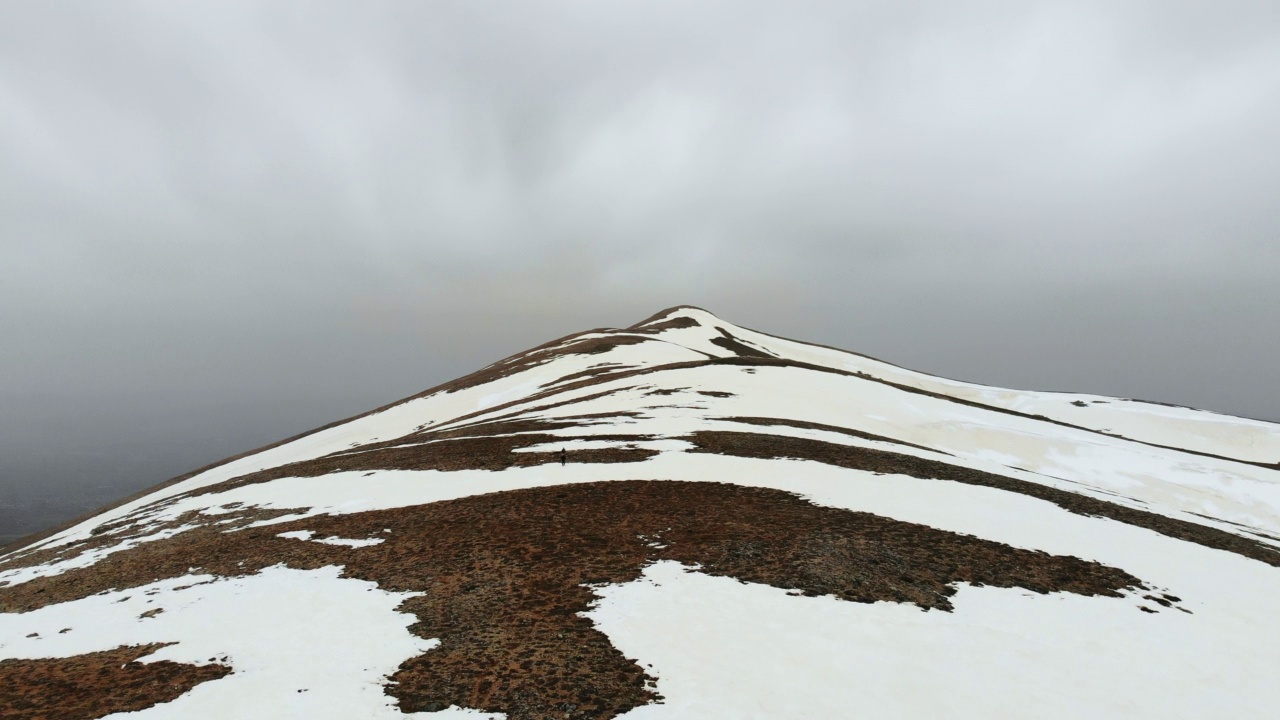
(680, 519)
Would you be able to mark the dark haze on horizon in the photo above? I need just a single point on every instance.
(223, 223)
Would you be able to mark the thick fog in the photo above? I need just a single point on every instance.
(224, 223)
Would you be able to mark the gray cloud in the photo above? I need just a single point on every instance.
(221, 223)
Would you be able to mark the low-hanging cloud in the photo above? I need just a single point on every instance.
(242, 219)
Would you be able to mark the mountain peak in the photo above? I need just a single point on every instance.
(682, 518)
(693, 312)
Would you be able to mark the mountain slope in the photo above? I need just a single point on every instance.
(683, 518)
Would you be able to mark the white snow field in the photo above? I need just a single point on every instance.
(315, 643)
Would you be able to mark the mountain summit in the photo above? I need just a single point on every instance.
(679, 519)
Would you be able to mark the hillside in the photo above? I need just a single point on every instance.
(680, 519)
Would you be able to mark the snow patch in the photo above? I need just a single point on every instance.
(302, 643)
(331, 540)
(725, 649)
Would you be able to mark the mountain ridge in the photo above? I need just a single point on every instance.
(501, 520)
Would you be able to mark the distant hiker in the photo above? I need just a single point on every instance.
(564, 457)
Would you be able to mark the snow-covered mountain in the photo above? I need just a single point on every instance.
(680, 519)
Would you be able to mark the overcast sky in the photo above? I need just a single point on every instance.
(224, 223)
